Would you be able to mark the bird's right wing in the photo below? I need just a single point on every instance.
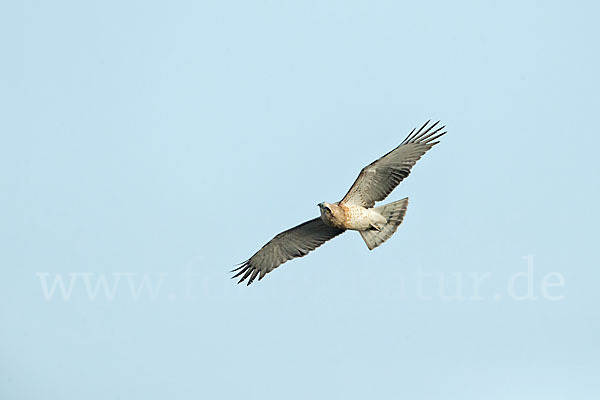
(377, 180)
(295, 242)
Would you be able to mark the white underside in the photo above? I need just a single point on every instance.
(361, 218)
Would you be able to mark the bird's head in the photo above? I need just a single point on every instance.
(325, 208)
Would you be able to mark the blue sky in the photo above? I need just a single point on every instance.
(151, 146)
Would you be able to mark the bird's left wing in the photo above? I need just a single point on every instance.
(295, 242)
(377, 180)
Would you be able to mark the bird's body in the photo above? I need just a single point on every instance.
(356, 211)
(356, 218)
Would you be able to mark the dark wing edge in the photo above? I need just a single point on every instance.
(422, 140)
(293, 243)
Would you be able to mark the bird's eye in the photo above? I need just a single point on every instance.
(327, 209)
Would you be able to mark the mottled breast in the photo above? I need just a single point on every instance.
(358, 218)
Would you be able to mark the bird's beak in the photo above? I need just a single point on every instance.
(320, 205)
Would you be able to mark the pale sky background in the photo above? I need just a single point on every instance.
(142, 139)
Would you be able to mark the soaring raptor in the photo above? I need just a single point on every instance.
(355, 211)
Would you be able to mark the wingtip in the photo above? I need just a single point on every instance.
(239, 266)
(424, 132)
(243, 267)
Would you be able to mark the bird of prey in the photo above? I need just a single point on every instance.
(355, 211)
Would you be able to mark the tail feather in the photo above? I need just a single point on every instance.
(394, 214)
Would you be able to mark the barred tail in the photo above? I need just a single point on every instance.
(394, 214)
